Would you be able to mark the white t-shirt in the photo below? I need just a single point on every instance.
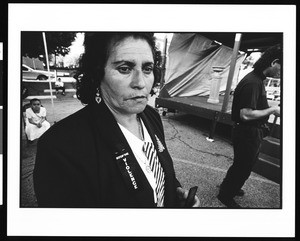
(136, 146)
(36, 117)
(59, 84)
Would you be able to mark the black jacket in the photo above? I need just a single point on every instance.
(80, 163)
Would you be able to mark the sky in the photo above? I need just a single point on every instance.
(76, 49)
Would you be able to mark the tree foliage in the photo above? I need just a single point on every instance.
(58, 43)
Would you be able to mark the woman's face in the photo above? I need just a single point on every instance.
(128, 77)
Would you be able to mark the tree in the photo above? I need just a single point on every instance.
(58, 43)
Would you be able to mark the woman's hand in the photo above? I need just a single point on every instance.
(182, 196)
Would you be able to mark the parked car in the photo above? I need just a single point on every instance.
(33, 74)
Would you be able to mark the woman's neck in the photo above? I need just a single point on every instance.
(130, 122)
(126, 120)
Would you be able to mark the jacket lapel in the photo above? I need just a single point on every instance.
(107, 127)
(157, 141)
(157, 137)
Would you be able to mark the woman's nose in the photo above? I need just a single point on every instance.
(138, 80)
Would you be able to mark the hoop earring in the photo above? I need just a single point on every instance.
(98, 98)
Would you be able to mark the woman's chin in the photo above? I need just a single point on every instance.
(138, 108)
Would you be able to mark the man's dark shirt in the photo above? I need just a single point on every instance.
(250, 93)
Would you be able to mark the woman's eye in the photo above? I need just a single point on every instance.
(124, 69)
(148, 69)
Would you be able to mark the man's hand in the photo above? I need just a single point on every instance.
(276, 110)
(182, 196)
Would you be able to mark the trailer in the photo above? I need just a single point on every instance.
(200, 78)
(188, 77)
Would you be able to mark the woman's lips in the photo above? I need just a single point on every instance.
(139, 97)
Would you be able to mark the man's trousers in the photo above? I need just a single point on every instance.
(246, 145)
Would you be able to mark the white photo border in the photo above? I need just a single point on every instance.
(155, 18)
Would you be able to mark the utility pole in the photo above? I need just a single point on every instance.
(48, 68)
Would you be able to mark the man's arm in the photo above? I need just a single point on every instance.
(248, 114)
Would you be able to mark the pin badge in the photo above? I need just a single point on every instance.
(161, 147)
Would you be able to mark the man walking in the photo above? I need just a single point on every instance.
(250, 113)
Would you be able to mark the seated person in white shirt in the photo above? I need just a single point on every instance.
(36, 123)
(59, 85)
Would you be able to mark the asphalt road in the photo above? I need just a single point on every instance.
(197, 161)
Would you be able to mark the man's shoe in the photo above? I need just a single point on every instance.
(240, 193)
(228, 202)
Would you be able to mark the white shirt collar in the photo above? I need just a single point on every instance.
(136, 145)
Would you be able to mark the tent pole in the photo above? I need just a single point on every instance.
(48, 68)
(164, 60)
(236, 47)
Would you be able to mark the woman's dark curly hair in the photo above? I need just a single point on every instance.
(98, 46)
(272, 53)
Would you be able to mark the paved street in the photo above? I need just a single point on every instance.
(196, 160)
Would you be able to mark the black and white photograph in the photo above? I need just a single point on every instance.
(1, 123)
(123, 120)
(1, 73)
(188, 81)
